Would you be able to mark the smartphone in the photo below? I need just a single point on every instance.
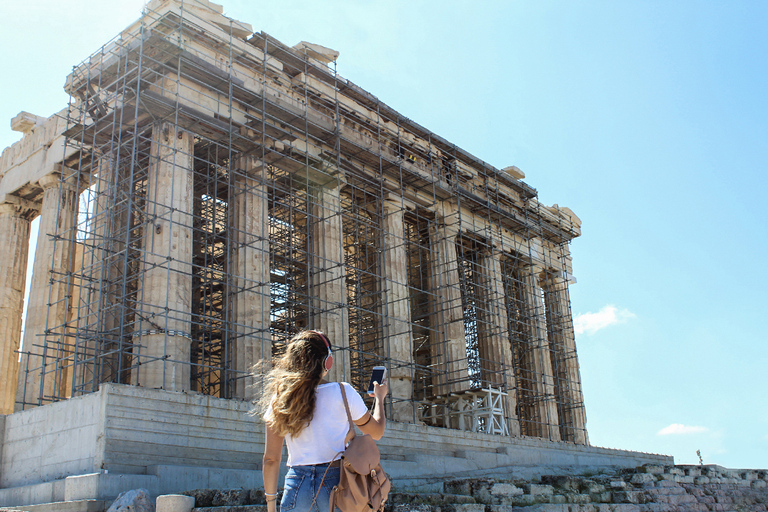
(378, 374)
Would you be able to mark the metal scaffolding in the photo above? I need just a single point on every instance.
(272, 158)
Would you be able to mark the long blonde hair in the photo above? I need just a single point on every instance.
(291, 385)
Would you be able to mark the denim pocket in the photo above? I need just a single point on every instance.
(293, 483)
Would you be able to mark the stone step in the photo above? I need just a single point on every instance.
(61, 506)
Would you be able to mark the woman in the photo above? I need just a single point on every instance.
(307, 412)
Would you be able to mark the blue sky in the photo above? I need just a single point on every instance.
(647, 119)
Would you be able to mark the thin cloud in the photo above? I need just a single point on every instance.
(590, 323)
(680, 429)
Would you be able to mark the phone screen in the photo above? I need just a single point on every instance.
(377, 375)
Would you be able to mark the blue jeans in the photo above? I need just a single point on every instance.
(302, 484)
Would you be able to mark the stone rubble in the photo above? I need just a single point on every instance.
(136, 500)
(648, 488)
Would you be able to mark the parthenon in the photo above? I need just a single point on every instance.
(210, 191)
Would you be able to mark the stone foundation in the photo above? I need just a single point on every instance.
(125, 437)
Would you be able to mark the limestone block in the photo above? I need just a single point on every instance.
(701, 480)
(515, 172)
(682, 499)
(630, 497)
(175, 503)
(652, 469)
(601, 497)
(527, 500)
(618, 484)
(592, 487)
(24, 122)
(136, 500)
(579, 499)
(505, 489)
(641, 478)
(316, 51)
(539, 490)
(723, 499)
(758, 484)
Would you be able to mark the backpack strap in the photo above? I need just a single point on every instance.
(351, 433)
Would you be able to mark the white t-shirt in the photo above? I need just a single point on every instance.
(323, 439)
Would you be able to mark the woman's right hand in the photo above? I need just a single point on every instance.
(374, 424)
(380, 390)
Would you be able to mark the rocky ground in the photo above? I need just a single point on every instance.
(644, 489)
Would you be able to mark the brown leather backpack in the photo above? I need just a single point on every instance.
(363, 486)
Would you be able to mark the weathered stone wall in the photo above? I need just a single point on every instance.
(50, 443)
(651, 488)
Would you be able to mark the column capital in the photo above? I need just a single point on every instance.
(167, 130)
(15, 205)
(534, 268)
(251, 165)
(49, 181)
(391, 205)
(559, 277)
(446, 230)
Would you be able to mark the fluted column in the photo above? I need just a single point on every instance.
(103, 266)
(14, 248)
(494, 334)
(543, 386)
(250, 300)
(328, 291)
(573, 421)
(397, 312)
(39, 375)
(449, 344)
(165, 295)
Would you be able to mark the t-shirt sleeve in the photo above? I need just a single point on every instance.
(357, 407)
(269, 413)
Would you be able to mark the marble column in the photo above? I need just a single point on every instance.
(250, 296)
(328, 293)
(449, 344)
(397, 312)
(68, 342)
(105, 267)
(496, 349)
(165, 294)
(14, 248)
(39, 377)
(93, 257)
(561, 337)
(543, 385)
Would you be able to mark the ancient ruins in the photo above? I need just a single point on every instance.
(209, 191)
